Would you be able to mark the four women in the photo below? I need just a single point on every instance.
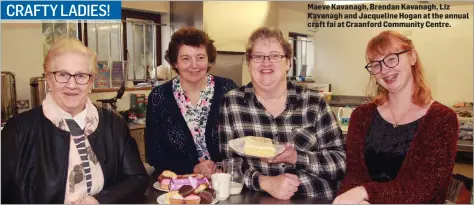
(400, 147)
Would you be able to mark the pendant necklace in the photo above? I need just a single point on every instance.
(393, 116)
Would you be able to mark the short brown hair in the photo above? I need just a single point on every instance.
(380, 45)
(190, 36)
(267, 33)
(65, 45)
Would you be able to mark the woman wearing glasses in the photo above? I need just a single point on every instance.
(313, 162)
(401, 146)
(68, 150)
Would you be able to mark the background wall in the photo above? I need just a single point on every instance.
(230, 23)
(338, 57)
(151, 6)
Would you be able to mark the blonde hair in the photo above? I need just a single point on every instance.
(379, 46)
(268, 33)
(66, 45)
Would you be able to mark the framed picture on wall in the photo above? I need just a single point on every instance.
(102, 79)
(118, 72)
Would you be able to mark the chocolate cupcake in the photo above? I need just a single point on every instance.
(211, 191)
(206, 197)
(186, 190)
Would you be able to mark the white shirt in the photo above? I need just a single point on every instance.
(79, 118)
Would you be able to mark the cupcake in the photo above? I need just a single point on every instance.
(206, 197)
(185, 190)
(176, 198)
(168, 195)
(211, 191)
(165, 184)
(192, 199)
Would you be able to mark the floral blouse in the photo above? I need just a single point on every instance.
(196, 116)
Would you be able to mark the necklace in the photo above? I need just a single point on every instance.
(393, 116)
(275, 98)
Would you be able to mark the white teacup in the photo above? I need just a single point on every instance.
(221, 183)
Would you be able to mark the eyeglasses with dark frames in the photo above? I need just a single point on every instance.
(390, 61)
(274, 58)
(63, 77)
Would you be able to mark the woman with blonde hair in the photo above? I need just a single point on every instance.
(401, 146)
(313, 162)
(68, 150)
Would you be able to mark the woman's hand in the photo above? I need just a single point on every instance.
(288, 156)
(354, 196)
(282, 187)
(204, 167)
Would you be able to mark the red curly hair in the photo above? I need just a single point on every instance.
(379, 46)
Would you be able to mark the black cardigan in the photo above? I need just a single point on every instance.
(169, 144)
(35, 157)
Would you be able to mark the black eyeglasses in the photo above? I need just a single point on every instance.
(274, 58)
(391, 61)
(63, 77)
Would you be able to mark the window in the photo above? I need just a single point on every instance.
(127, 50)
(54, 30)
(302, 63)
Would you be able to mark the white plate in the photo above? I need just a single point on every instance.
(238, 146)
(157, 186)
(161, 199)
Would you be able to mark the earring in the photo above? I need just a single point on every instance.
(90, 91)
(49, 89)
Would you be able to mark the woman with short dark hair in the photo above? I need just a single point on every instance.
(182, 115)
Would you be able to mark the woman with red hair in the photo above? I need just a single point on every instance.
(401, 146)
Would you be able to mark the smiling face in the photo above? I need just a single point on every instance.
(192, 63)
(70, 96)
(267, 75)
(395, 78)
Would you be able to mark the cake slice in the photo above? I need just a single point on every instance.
(259, 147)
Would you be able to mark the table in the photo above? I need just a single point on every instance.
(246, 197)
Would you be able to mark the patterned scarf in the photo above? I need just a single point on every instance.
(54, 113)
(85, 175)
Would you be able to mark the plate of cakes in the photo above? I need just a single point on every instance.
(170, 181)
(187, 194)
(260, 147)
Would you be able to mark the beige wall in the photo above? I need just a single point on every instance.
(230, 23)
(153, 6)
(292, 17)
(339, 60)
(446, 54)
